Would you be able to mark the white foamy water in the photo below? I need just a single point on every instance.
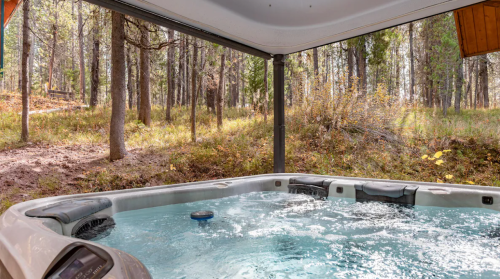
(280, 235)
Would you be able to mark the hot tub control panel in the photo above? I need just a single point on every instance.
(80, 261)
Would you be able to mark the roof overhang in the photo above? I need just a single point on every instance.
(9, 8)
(283, 26)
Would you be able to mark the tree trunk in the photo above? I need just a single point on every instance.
(300, 73)
(220, 93)
(129, 79)
(145, 111)
(266, 96)
(193, 88)
(361, 61)
(24, 72)
(118, 96)
(350, 66)
(412, 66)
(476, 94)
(184, 69)
(82, 58)
(458, 85)
(138, 79)
(188, 86)
(483, 73)
(53, 49)
(179, 77)
(94, 86)
(243, 101)
(316, 63)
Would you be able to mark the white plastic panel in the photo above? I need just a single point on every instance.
(287, 26)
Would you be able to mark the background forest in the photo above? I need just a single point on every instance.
(399, 104)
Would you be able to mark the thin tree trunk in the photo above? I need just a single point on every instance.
(129, 80)
(82, 58)
(220, 93)
(94, 86)
(266, 96)
(412, 66)
(458, 85)
(138, 79)
(476, 94)
(24, 72)
(193, 88)
(485, 100)
(179, 77)
(243, 102)
(53, 49)
(170, 82)
(350, 66)
(145, 111)
(116, 138)
(316, 63)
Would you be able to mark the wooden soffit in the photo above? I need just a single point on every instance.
(478, 28)
(9, 8)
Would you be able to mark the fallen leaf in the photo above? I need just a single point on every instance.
(449, 176)
(438, 154)
(440, 181)
(439, 162)
(470, 182)
(447, 150)
(424, 157)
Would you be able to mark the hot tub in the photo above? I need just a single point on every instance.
(272, 226)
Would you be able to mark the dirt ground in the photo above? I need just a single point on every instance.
(37, 170)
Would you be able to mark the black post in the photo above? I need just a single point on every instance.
(279, 113)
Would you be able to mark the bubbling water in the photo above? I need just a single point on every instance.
(280, 235)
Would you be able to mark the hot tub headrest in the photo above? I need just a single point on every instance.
(386, 192)
(70, 211)
(314, 181)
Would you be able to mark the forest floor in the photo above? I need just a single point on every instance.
(68, 150)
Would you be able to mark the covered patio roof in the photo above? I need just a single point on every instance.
(268, 27)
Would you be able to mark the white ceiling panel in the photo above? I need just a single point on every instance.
(287, 26)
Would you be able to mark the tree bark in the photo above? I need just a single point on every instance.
(94, 86)
(458, 85)
(361, 61)
(266, 96)
(316, 63)
(350, 66)
(412, 66)
(243, 101)
(129, 79)
(220, 93)
(118, 96)
(476, 94)
(138, 80)
(179, 77)
(193, 88)
(82, 58)
(24, 72)
(53, 49)
(483, 73)
(145, 111)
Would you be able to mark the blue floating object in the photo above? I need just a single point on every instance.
(202, 215)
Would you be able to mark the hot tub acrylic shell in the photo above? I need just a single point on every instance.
(28, 246)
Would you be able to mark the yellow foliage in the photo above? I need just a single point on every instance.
(470, 182)
(438, 154)
(439, 162)
(447, 150)
(440, 181)
(424, 157)
(449, 176)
